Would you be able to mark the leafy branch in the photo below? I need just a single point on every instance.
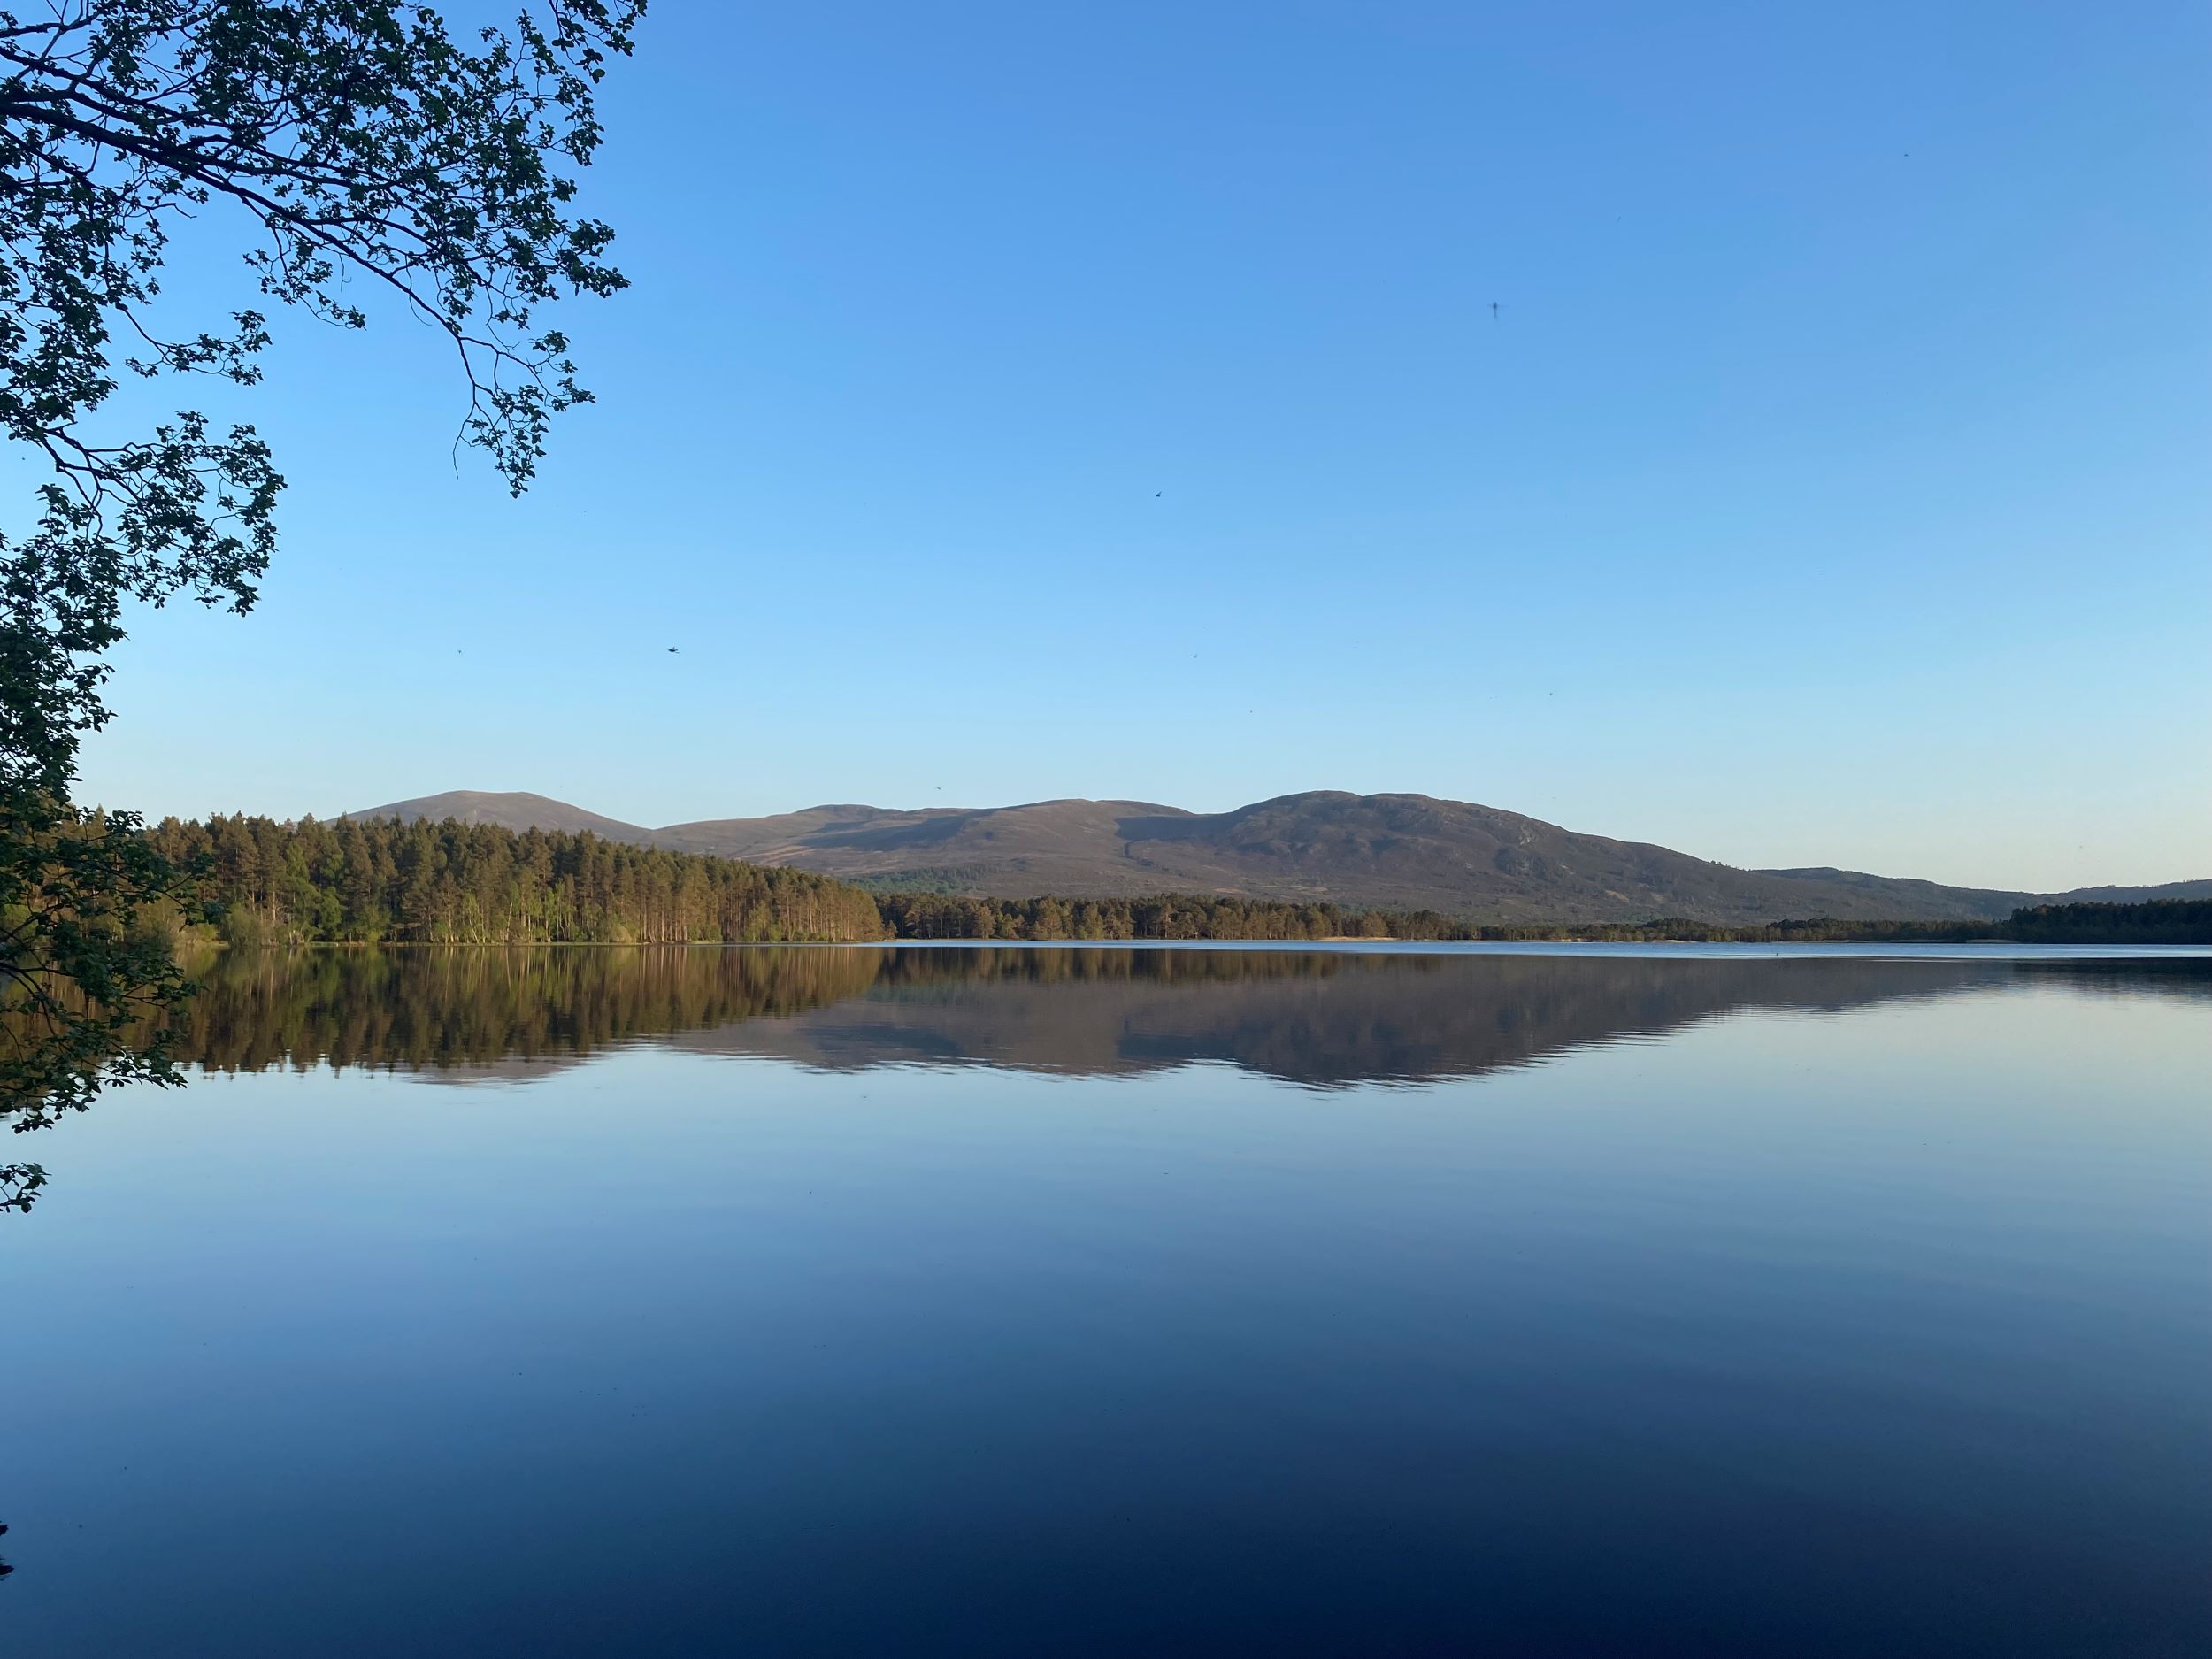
(358, 146)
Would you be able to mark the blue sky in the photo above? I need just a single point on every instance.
(1016, 402)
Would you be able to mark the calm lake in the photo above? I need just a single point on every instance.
(885, 1300)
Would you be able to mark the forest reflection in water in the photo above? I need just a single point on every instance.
(1307, 1017)
(987, 1300)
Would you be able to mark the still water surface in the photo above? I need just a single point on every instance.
(1027, 1302)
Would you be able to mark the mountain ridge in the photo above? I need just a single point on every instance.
(1397, 851)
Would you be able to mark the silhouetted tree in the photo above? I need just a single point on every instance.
(353, 148)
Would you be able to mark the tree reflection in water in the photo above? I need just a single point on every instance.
(1312, 1017)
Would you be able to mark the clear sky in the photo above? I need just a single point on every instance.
(1020, 401)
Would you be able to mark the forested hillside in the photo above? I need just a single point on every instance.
(454, 883)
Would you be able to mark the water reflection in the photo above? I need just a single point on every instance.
(1312, 1017)
(1892, 1274)
(462, 1008)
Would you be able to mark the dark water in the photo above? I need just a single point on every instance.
(1114, 1303)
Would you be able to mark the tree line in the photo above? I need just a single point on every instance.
(2153, 922)
(1167, 916)
(386, 881)
(381, 880)
(1187, 916)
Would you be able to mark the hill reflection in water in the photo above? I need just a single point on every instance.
(1313, 1017)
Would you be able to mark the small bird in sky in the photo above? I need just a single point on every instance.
(672, 651)
(1493, 310)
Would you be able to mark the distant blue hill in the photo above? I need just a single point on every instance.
(1407, 851)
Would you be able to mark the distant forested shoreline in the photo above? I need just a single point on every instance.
(385, 881)
(1201, 916)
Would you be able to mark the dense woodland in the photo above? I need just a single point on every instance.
(454, 883)
(1167, 916)
(2155, 922)
(383, 882)
(1199, 916)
